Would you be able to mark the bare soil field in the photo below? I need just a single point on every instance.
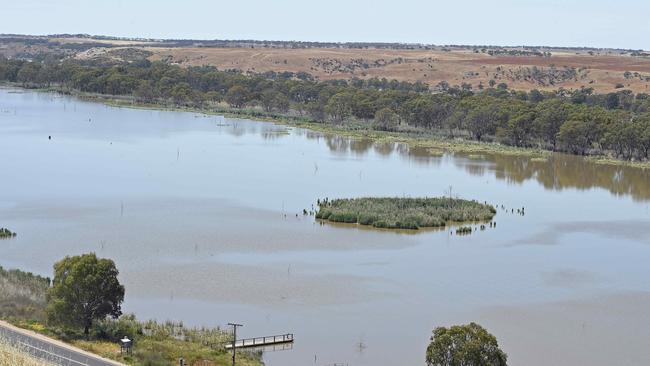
(603, 70)
(570, 71)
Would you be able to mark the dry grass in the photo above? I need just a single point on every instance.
(602, 72)
(12, 356)
(110, 350)
(22, 295)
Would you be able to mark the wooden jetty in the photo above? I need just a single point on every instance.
(261, 341)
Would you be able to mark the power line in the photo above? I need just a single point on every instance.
(234, 340)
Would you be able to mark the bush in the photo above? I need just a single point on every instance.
(114, 330)
(467, 344)
(22, 295)
(403, 213)
(6, 233)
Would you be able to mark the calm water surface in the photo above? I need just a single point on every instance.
(199, 213)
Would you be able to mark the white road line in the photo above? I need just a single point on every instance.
(53, 354)
(21, 336)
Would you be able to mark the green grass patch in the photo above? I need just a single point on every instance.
(404, 213)
(163, 343)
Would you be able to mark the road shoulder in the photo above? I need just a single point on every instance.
(58, 343)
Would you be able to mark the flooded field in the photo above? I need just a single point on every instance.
(203, 216)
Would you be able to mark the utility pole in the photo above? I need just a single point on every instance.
(234, 340)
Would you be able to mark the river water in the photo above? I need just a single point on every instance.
(199, 214)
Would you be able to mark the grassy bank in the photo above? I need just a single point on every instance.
(163, 343)
(23, 300)
(404, 213)
(154, 343)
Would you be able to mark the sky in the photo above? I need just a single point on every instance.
(592, 23)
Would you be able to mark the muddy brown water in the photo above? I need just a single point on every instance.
(199, 213)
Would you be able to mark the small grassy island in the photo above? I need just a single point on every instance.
(404, 213)
(6, 233)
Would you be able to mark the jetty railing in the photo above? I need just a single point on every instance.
(261, 341)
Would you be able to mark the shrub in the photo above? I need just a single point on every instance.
(403, 213)
(6, 233)
(22, 295)
(114, 330)
(467, 344)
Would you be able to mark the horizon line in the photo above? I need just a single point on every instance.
(387, 43)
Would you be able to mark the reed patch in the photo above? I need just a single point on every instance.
(404, 213)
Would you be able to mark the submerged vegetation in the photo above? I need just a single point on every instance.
(404, 213)
(6, 233)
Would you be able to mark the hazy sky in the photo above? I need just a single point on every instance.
(599, 23)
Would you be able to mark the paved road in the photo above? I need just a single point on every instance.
(50, 350)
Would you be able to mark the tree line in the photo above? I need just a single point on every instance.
(573, 121)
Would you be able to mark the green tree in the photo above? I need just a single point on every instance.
(519, 130)
(644, 135)
(213, 96)
(339, 107)
(483, 120)
(268, 99)
(281, 103)
(145, 92)
(30, 73)
(535, 96)
(85, 288)
(316, 111)
(551, 114)
(182, 94)
(385, 120)
(237, 96)
(464, 345)
(573, 135)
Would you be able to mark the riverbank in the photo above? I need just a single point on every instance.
(23, 302)
(425, 141)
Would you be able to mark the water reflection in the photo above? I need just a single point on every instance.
(562, 171)
(199, 213)
(558, 172)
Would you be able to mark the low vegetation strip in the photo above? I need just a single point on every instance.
(404, 213)
(6, 233)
